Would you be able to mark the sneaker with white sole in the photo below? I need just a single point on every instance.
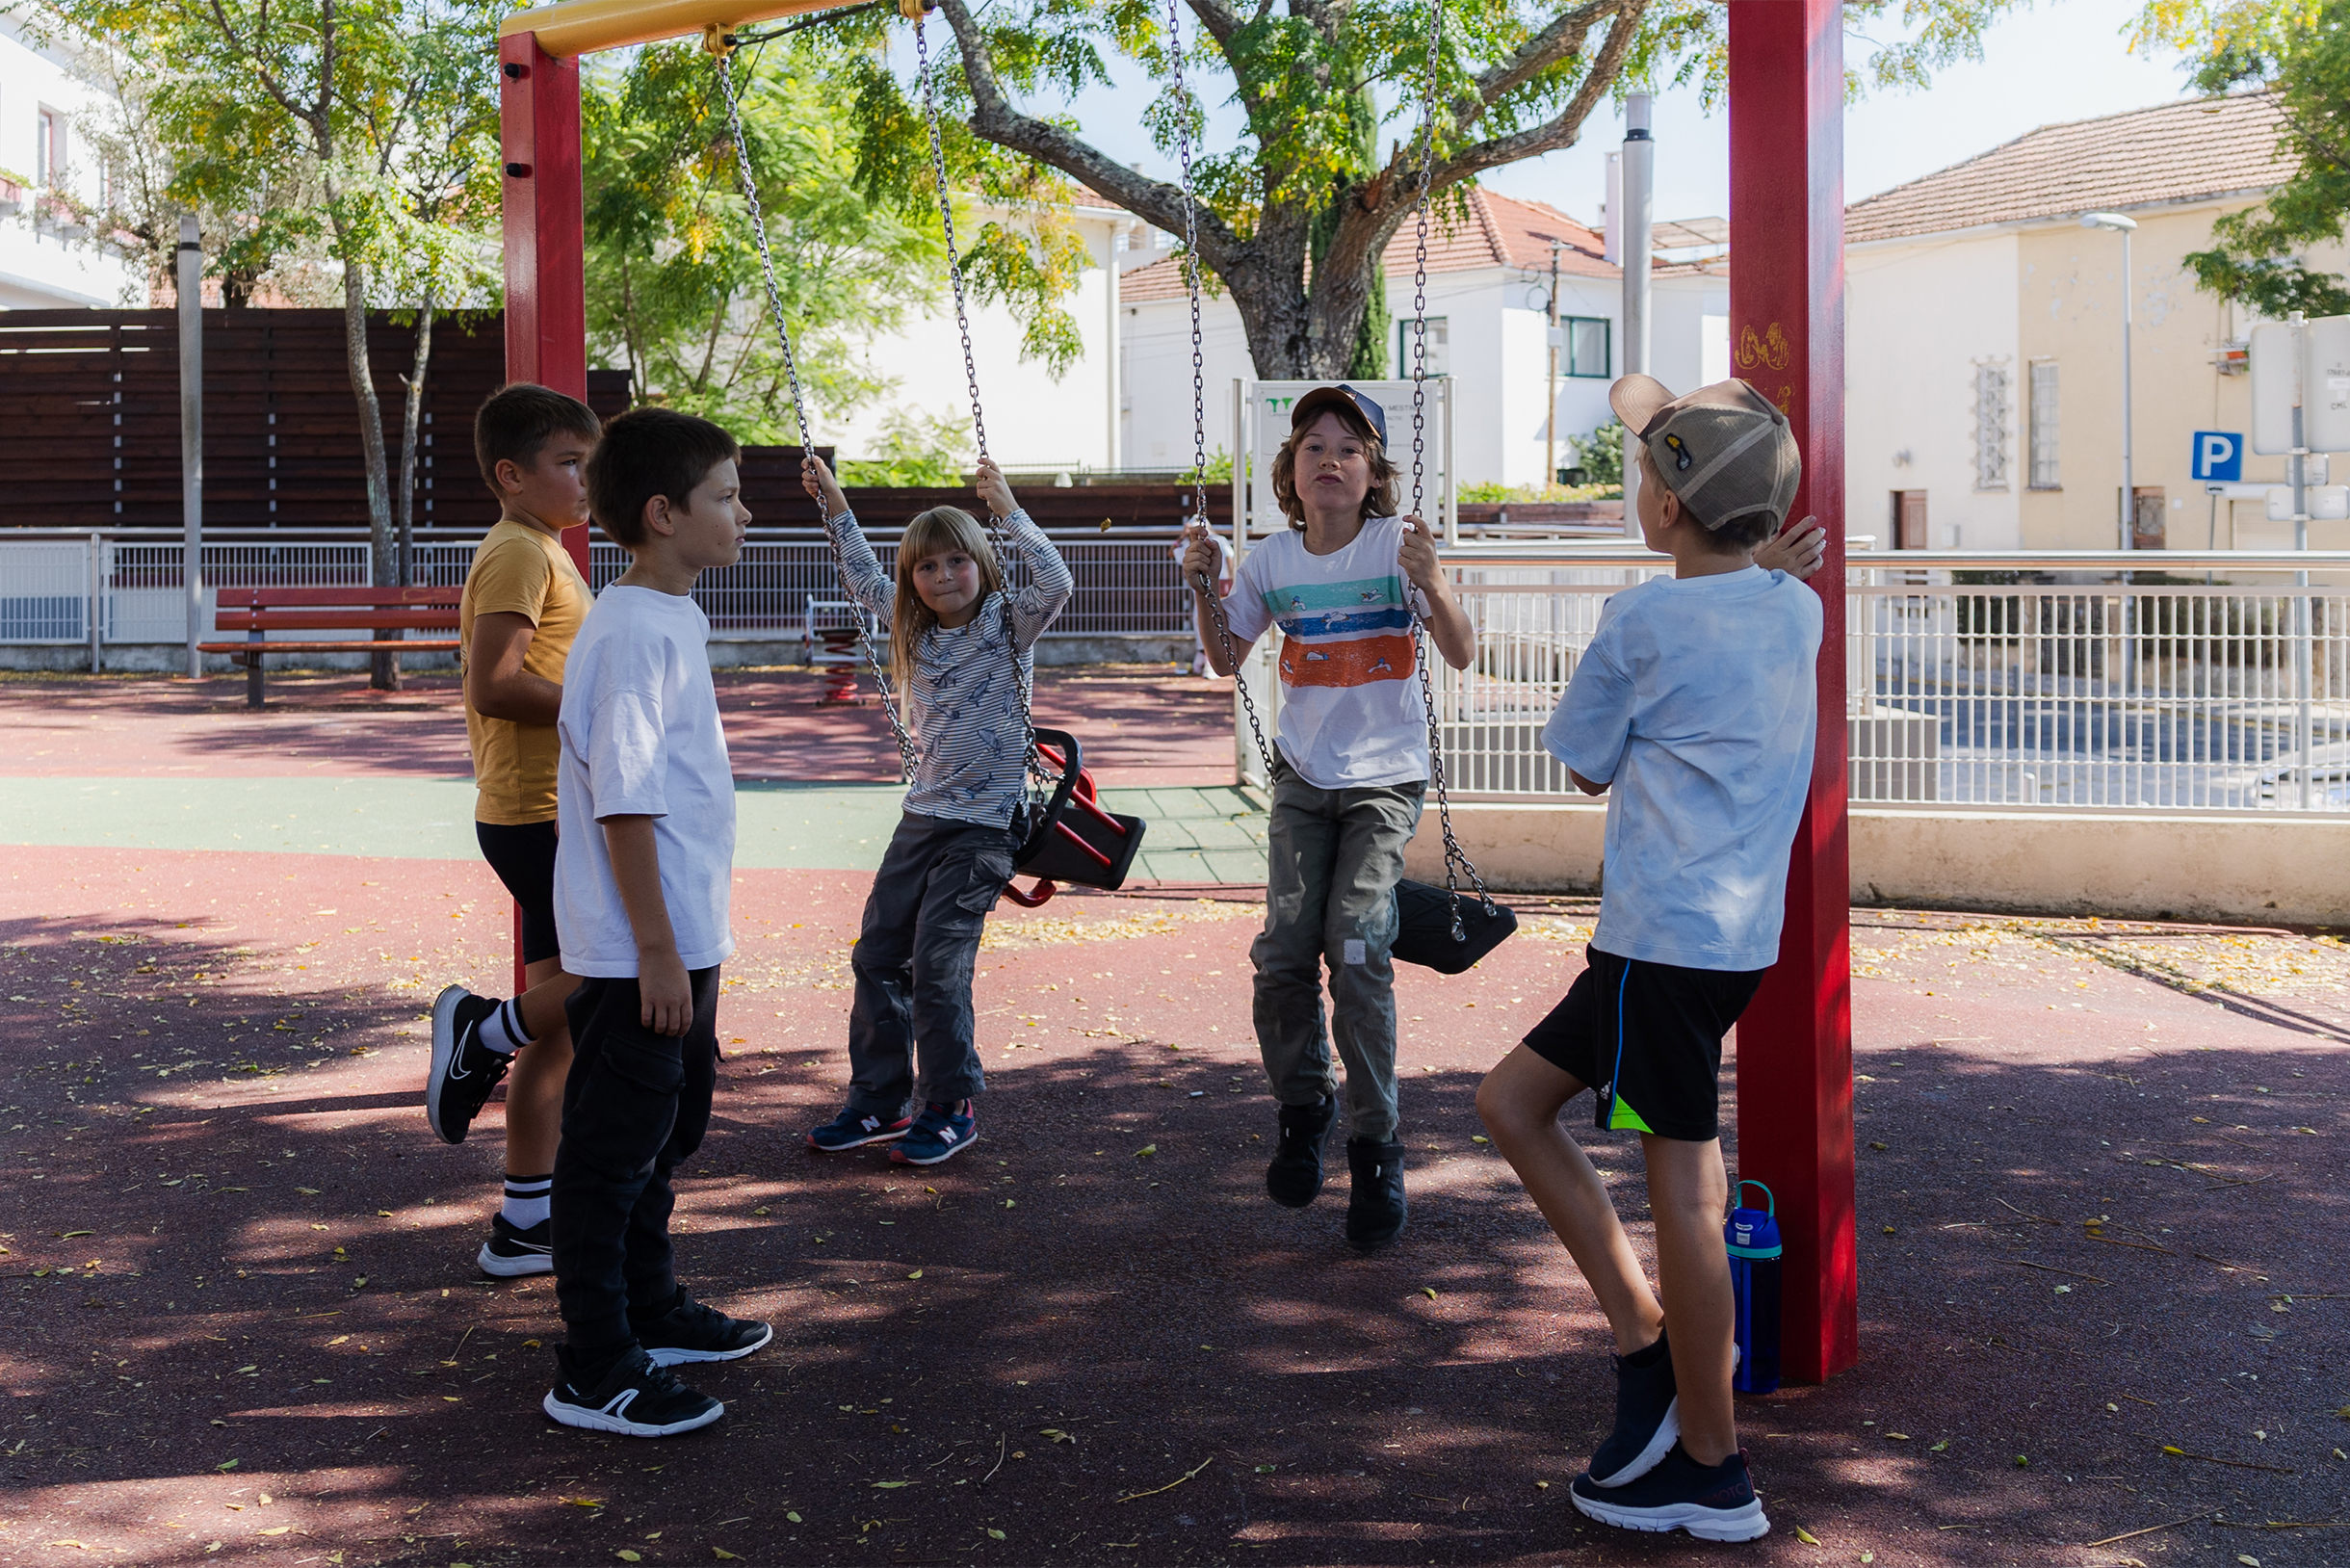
(513, 1250)
(853, 1129)
(689, 1331)
(1647, 1418)
(636, 1396)
(1713, 1502)
(463, 1069)
(939, 1133)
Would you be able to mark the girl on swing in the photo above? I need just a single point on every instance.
(961, 650)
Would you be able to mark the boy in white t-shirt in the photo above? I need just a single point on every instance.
(1342, 584)
(1695, 705)
(643, 871)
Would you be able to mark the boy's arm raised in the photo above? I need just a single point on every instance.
(666, 994)
(1203, 560)
(1049, 582)
(1447, 622)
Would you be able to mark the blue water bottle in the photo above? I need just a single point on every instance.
(1753, 1238)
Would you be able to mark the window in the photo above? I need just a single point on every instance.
(1990, 426)
(1583, 346)
(2043, 427)
(1440, 353)
(50, 151)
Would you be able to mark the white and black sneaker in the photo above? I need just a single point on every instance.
(1713, 1502)
(637, 1397)
(513, 1251)
(689, 1331)
(464, 1070)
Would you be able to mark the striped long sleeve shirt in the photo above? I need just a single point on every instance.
(963, 703)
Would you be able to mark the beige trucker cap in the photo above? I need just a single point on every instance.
(1723, 448)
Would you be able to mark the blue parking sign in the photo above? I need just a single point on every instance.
(2219, 455)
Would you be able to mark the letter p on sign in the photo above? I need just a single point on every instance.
(2219, 455)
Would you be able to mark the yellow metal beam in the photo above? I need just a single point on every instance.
(580, 27)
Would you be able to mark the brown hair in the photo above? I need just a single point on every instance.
(940, 529)
(1379, 501)
(1745, 532)
(515, 421)
(645, 453)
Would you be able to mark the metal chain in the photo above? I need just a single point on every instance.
(1199, 385)
(1033, 775)
(1456, 859)
(790, 375)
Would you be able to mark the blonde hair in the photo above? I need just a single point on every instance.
(1379, 501)
(940, 529)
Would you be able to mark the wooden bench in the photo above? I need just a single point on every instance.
(259, 612)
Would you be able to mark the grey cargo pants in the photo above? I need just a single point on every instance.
(1334, 857)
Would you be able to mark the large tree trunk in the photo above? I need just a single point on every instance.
(384, 671)
(410, 417)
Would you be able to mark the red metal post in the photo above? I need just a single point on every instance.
(1786, 332)
(546, 273)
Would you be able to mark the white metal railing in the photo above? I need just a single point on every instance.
(127, 587)
(1983, 680)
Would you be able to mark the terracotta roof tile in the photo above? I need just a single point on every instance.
(1502, 231)
(2173, 152)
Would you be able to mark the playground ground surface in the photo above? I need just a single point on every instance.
(2104, 1236)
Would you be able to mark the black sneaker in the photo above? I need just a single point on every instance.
(689, 1331)
(1375, 1212)
(1647, 1418)
(464, 1070)
(637, 1397)
(511, 1251)
(1713, 1502)
(1294, 1178)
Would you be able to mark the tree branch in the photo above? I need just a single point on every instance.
(1564, 36)
(993, 116)
(1561, 129)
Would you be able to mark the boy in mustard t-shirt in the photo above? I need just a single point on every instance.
(524, 602)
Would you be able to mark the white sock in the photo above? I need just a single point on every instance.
(502, 1031)
(525, 1199)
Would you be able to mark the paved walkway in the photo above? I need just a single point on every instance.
(2100, 1179)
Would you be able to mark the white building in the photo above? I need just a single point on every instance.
(1489, 279)
(50, 183)
(1983, 338)
(1035, 420)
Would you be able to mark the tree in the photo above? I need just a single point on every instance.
(1295, 222)
(345, 96)
(2299, 50)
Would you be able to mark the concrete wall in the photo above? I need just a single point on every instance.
(2069, 313)
(1920, 318)
(40, 269)
(2248, 869)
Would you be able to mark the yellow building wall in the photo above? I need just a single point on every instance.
(2069, 307)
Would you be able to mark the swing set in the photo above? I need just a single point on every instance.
(1785, 84)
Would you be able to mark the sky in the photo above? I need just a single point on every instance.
(2061, 60)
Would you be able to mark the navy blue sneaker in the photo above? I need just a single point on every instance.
(852, 1130)
(1714, 1502)
(939, 1133)
(1647, 1417)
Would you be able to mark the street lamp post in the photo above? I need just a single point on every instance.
(2124, 226)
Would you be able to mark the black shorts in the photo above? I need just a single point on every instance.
(1648, 1039)
(523, 855)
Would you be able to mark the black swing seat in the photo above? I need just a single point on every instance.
(1424, 928)
(1074, 840)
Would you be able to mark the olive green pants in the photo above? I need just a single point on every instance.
(1334, 859)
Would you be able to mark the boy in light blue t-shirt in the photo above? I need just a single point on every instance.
(1695, 708)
